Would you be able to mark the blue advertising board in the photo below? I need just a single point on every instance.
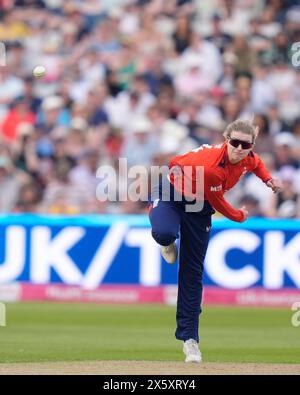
(92, 250)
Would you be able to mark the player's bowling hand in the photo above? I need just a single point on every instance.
(245, 212)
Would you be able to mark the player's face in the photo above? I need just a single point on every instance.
(239, 145)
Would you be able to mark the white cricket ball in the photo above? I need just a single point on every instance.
(39, 71)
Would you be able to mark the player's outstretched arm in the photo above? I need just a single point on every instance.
(261, 171)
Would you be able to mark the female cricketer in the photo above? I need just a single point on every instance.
(170, 214)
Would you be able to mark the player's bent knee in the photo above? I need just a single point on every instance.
(163, 238)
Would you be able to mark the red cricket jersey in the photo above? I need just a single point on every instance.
(219, 175)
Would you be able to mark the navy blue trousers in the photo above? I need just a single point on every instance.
(169, 221)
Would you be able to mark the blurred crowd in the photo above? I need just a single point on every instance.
(143, 80)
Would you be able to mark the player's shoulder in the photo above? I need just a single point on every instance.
(253, 158)
(204, 155)
(209, 148)
(214, 147)
(215, 172)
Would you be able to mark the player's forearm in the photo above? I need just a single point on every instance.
(223, 207)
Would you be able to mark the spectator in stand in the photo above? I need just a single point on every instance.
(243, 84)
(95, 112)
(192, 79)
(208, 56)
(155, 76)
(296, 134)
(62, 195)
(53, 114)
(246, 57)
(285, 150)
(231, 108)
(130, 104)
(281, 48)
(33, 100)
(84, 173)
(11, 88)
(218, 37)
(283, 81)
(140, 144)
(10, 184)
(182, 33)
(262, 93)
(276, 123)
(19, 113)
(226, 81)
(252, 205)
(264, 140)
(286, 204)
(29, 198)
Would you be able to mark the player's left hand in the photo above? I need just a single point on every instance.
(275, 185)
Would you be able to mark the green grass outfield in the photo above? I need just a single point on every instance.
(76, 332)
